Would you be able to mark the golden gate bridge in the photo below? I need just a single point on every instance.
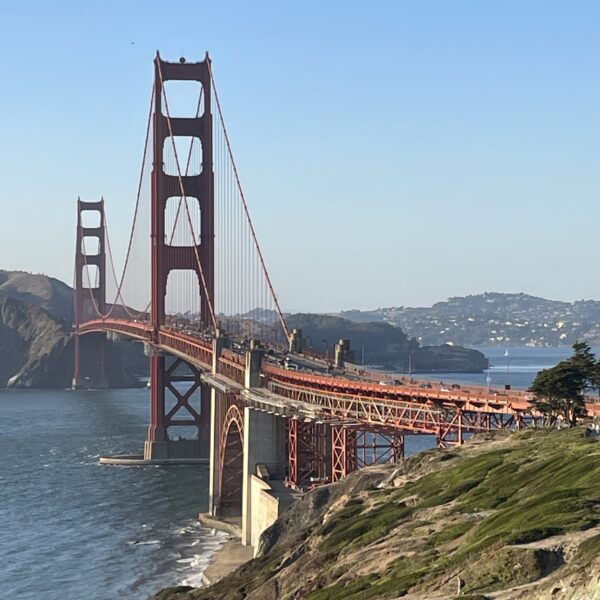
(195, 290)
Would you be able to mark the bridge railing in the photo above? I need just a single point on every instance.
(232, 366)
(137, 330)
(482, 402)
(193, 348)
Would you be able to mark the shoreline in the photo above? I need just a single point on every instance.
(231, 555)
(225, 560)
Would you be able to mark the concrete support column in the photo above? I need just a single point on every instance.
(204, 425)
(296, 341)
(90, 367)
(264, 443)
(252, 374)
(218, 345)
(343, 353)
(214, 492)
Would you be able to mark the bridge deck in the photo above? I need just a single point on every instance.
(345, 396)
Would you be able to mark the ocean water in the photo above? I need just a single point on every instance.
(71, 528)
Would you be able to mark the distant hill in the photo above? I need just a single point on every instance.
(51, 294)
(385, 344)
(492, 319)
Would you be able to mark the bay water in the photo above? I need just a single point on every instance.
(71, 528)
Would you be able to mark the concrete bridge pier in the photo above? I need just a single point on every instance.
(247, 459)
(264, 446)
(214, 479)
(90, 362)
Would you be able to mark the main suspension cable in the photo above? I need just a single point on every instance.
(130, 243)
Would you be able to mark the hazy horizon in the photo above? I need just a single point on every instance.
(366, 308)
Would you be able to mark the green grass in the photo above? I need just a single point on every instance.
(488, 500)
(506, 566)
(353, 508)
(451, 532)
(358, 528)
(589, 549)
(535, 518)
(547, 485)
(370, 586)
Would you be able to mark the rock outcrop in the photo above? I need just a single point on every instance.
(36, 351)
(33, 347)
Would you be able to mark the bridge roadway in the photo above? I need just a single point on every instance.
(349, 396)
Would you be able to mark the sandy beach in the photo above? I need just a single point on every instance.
(231, 554)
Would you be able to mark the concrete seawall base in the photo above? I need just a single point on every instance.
(230, 525)
(138, 460)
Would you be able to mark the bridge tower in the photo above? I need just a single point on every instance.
(166, 258)
(89, 297)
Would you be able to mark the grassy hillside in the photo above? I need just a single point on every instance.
(512, 516)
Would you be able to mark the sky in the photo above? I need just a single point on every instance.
(392, 153)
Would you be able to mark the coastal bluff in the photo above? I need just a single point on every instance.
(506, 516)
(36, 343)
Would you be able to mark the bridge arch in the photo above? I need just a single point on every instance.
(231, 462)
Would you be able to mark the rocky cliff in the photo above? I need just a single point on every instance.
(33, 347)
(505, 517)
(36, 350)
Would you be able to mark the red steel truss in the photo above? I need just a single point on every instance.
(343, 452)
(308, 453)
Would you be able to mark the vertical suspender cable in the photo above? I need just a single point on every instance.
(237, 179)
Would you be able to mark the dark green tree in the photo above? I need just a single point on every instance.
(560, 391)
(583, 359)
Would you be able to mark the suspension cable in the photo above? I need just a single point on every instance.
(130, 243)
(241, 191)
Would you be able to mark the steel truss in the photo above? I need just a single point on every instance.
(308, 453)
(447, 424)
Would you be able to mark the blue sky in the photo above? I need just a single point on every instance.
(393, 153)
